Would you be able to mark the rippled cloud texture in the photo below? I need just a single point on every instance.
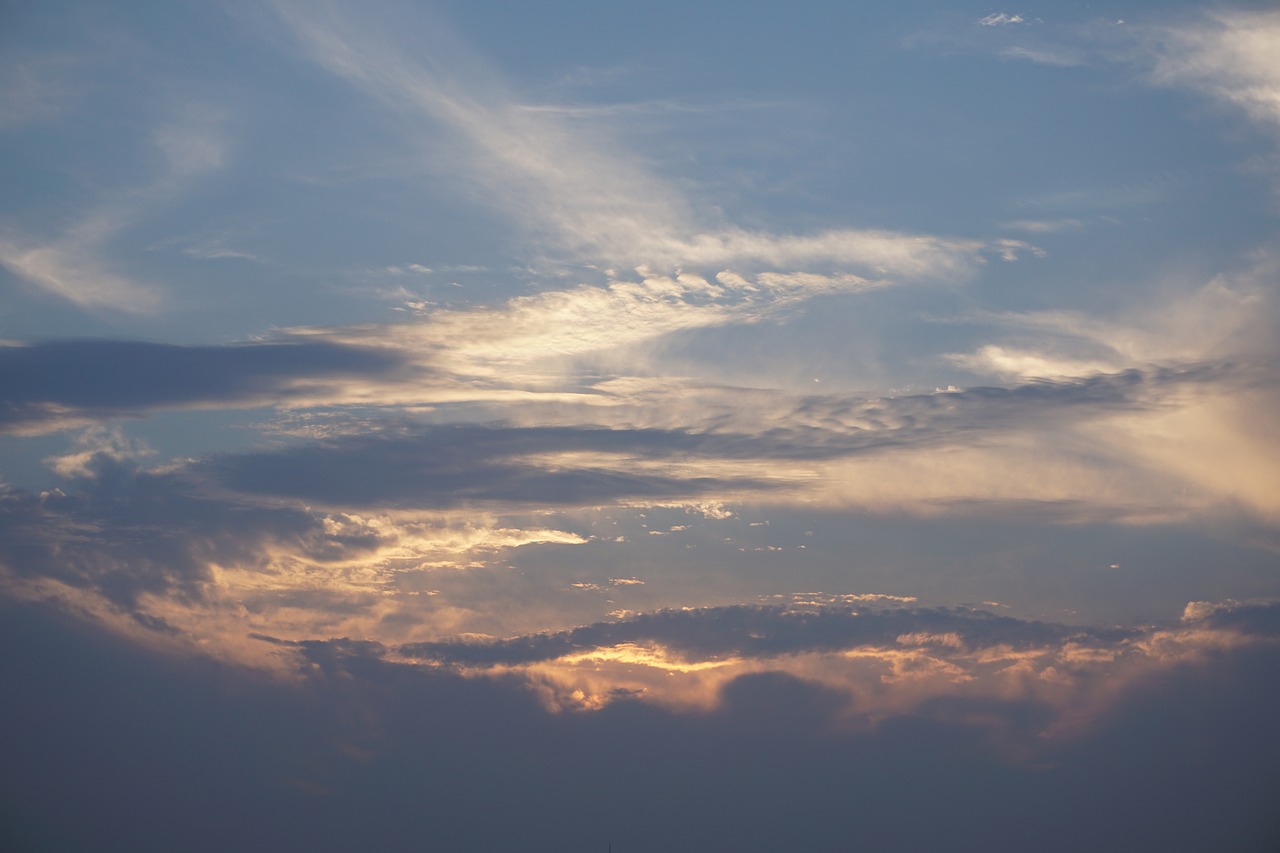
(448, 426)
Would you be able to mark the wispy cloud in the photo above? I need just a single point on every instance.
(1044, 226)
(72, 267)
(1230, 316)
(77, 264)
(596, 203)
(1228, 55)
(33, 88)
(1001, 19)
(531, 342)
(1056, 56)
(55, 384)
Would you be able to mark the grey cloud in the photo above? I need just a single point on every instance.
(1261, 618)
(465, 464)
(124, 532)
(447, 466)
(361, 754)
(761, 632)
(50, 381)
(1038, 401)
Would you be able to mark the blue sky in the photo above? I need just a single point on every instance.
(876, 365)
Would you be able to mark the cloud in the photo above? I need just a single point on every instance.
(145, 550)
(775, 445)
(52, 384)
(1055, 56)
(663, 441)
(95, 448)
(350, 531)
(745, 631)
(877, 663)
(71, 267)
(531, 341)
(1200, 456)
(1171, 321)
(473, 465)
(416, 556)
(1217, 335)
(1227, 54)
(635, 444)
(339, 750)
(76, 264)
(1001, 19)
(598, 204)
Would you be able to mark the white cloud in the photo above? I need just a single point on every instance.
(534, 342)
(1024, 364)
(93, 445)
(1231, 316)
(1001, 19)
(1056, 56)
(73, 267)
(78, 264)
(597, 203)
(1044, 226)
(1230, 55)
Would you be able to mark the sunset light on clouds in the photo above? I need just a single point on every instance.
(444, 426)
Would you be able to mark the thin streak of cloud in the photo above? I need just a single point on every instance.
(1229, 55)
(77, 264)
(1231, 316)
(642, 108)
(1054, 56)
(598, 204)
(73, 268)
(1001, 19)
(1044, 226)
(50, 385)
(535, 343)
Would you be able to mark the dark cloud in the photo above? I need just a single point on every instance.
(1249, 618)
(449, 466)
(761, 631)
(459, 464)
(54, 380)
(151, 752)
(922, 417)
(125, 531)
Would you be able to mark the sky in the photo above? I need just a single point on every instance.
(665, 426)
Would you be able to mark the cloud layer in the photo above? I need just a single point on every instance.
(889, 465)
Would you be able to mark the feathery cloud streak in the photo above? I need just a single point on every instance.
(76, 264)
(1229, 55)
(598, 205)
